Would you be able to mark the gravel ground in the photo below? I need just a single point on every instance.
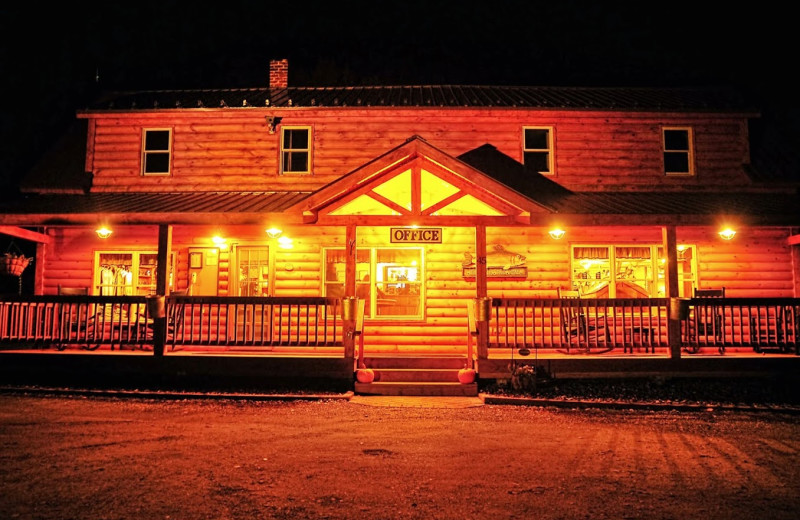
(744, 391)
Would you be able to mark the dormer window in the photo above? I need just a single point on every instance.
(156, 151)
(295, 149)
(537, 149)
(678, 153)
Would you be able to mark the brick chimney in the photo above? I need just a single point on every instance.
(278, 74)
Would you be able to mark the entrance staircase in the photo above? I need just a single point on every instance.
(416, 376)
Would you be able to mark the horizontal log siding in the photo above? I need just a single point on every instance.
(757, 263)
(233, 150)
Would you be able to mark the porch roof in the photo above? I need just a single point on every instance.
(150, 207)
(679, 208)
(583, 208)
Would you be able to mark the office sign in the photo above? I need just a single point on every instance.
(401, 235)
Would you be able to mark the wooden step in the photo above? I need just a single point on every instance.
(416, 375)
(417, 389)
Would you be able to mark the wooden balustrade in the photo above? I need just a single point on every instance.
(120, 321)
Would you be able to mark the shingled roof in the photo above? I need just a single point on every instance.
(599, 98)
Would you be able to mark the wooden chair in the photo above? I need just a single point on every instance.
(577, 326)
(77, 319)
(710, 317)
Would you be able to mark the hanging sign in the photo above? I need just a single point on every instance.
(415, 235)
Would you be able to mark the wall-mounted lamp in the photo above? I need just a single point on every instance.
(727, 234)
(220, 242)
(103, 232)
(557, 233)
(273, 122)
(273, 232)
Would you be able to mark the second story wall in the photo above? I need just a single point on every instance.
(234, 150)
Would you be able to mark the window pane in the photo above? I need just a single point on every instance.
(156, 163)
(398, 285)
(536, 138)
(253, 271)
(676, 140)
(676, 162)
(537, 161)
(298, 162)
(156, 140)
(296, 139)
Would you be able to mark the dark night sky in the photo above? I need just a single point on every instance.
(51, 55)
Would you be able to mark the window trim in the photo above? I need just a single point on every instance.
(689, 152)
(146, 152)
(550, 147)
(308, 150)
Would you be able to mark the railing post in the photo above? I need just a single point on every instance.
(156, 309)
(483, 311)
(678, 311)
(349, 310)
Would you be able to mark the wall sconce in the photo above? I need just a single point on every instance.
(273, 232)
(103, 232)
(220, 242)
(557, 233)
(272, 123)
(727, 234)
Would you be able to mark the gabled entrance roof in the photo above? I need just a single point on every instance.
(418, 183)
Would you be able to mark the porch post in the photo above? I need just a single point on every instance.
(349, 324)
(481, 290)
(671, 287)
(162, 285)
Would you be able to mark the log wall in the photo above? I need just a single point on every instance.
(757, 263)
(226, 150)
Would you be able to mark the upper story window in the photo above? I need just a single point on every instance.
(156, 151)
(678, 153)
(296, 150)
(537, 149)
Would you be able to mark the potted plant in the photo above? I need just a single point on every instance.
(13, 264)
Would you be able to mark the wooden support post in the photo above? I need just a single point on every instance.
(671, 287)
(481, 290)
(349, 318)
(158, 304)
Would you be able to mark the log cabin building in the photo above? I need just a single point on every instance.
(425, 222)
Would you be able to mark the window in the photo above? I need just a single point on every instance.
(295, 150)
(389, 279)
(127, 273)
(638, 270)
(156, 151)
(253, 264)
(537, 149)
(678, 156)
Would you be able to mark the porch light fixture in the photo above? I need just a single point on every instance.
(272, 123)
(103, 232)
(274, 232)
(727, 234)
(557, 233)
(220, 242)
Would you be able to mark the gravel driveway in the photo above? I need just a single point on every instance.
(110, 458)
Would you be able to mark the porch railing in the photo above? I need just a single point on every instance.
(765, 324)
(120, 321)
(641, 324)
(254, 321)
(575, 325)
